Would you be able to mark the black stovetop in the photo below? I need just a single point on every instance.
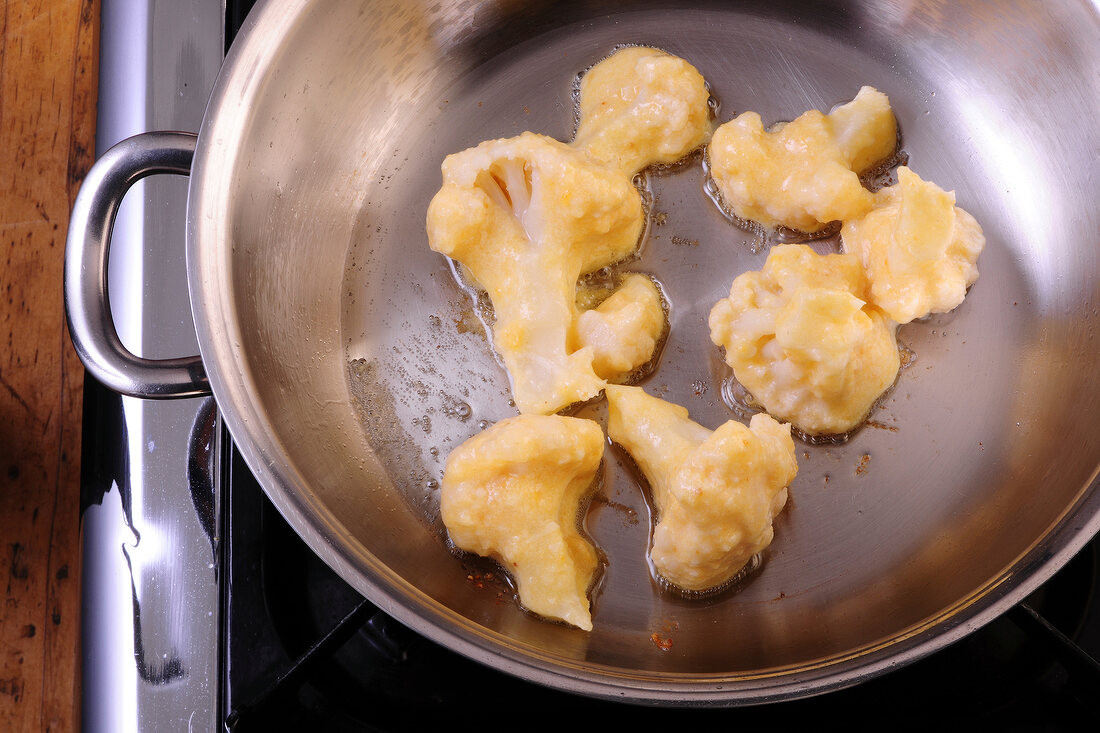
(303, 650)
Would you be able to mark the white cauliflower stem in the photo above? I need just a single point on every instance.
(514, 492)
(716, 493)
(919, 249)
(527, 216)
(803, 174)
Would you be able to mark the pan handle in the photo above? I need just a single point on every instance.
(87, 305)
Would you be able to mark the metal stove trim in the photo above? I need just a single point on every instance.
(150, 608)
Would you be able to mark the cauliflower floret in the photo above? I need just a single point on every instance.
(514, 493)
(527, 216)
(642, 106)
(623, 330)
(716, 493)
(864, 129)
(919, 249)
(803, 174)
(802, 338)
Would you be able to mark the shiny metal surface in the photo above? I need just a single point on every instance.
(86, 294)
(149, 606)
(975, 482)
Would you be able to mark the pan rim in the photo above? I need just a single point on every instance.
(208, 246)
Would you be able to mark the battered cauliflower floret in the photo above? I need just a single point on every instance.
(642, 106)
(920, 250)
(514, 493)
(803, 174)
(527, 216)
(802, 337)
(716, 493)
(623, 330)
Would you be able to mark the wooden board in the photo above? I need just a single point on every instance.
(48, 75)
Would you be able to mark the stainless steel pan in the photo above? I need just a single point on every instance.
(347, 361)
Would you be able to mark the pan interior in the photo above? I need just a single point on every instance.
(369, 362)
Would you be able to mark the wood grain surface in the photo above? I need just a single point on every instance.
(48, 74)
